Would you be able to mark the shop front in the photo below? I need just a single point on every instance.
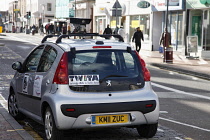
(139, 16)
(103, 15)
(175, 23)
(199, 25)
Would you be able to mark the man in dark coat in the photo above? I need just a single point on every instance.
(107, 30)
(138, 36)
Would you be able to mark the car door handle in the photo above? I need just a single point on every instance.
(47, 82)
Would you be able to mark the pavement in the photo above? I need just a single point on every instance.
(198, 67)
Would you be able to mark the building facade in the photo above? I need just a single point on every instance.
(198, 20)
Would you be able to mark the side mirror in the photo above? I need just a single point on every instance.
(17, 66)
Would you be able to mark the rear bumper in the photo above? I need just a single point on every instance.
(80, 109)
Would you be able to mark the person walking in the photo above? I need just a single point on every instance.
(107, 30)
(41, 29)
(69, 29)
(121, 32)
(138, 36)
(165, 40)
(51, 28)
(64, 29)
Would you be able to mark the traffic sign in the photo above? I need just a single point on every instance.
(116, 9)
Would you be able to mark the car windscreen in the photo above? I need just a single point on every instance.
(104, 70)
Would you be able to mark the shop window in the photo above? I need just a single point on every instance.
(142, 21)
(49, 6)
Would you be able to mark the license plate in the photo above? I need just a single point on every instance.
(110, 119)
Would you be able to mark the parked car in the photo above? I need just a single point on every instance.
(84, 83)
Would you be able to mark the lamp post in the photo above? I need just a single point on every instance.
(166, 27)
(43, 13)
(75, 8)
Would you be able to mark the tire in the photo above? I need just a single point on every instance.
(147, 130)
(51, 131)
(13, 107)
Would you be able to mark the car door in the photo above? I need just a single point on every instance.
(24, 79)
(43, 78)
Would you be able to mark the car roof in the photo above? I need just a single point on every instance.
(87, 44)
(99, 41)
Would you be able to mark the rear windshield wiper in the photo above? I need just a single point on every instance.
(112, 76)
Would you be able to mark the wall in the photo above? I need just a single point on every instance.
(156, 29)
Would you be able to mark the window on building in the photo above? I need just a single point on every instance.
(142, 21)
(49, 6)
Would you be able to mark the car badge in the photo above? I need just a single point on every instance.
(109, 83)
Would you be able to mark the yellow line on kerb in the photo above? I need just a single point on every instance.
(15, 130)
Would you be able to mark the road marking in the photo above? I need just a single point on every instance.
(23, 40)
(3, 102)
(15, 130)
(202, 61)
(163, 112)
(192, 126)
(180, 92)
(178, 138)
(160, 130)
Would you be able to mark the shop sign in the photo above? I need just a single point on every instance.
(143, 4)
(161, 5)
(193, 4)
(192, 44)
(16, 10)
(205, 1)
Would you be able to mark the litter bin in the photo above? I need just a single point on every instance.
(168, 55)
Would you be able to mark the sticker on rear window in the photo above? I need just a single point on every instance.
(83, 80)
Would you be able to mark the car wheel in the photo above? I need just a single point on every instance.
(51, 131)
(13, 107)
(147, 130)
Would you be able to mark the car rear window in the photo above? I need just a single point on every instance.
(104, 70)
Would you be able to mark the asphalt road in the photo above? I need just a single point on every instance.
(184, 100)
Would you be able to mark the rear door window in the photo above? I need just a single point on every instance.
(119, 67)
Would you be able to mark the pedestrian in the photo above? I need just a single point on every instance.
(33, 29)
(165, 41)
(41, 30)
(121, 32)
(138, 36)
(47, 28)
(107, 30)
(69, 29)
(116, 30)
(51, 28)
(64, 29)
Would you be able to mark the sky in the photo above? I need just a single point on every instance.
(4, 4)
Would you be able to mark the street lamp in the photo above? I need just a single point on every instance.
(166, 26)
(75, 8)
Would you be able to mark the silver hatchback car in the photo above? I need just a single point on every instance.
(84, 83)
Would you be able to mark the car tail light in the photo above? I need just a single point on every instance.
(149, 105)
(70, 109)
(144, 69)
(61, 74)
(98, 47)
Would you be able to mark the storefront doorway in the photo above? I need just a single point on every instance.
(195, 26)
